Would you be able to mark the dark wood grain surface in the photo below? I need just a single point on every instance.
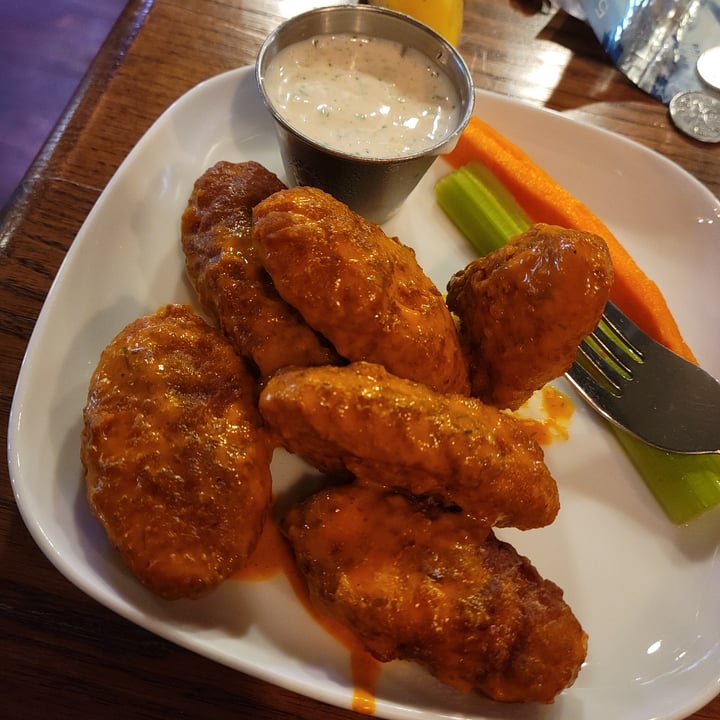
(63, 654)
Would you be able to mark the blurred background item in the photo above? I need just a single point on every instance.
(655, 43)
(45, 49)
(443, 16)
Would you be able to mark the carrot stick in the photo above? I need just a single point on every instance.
(544, 200)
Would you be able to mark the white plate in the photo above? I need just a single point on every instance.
(646, 592)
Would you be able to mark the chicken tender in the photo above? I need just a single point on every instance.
(359, 288)
(524, 309)
(417, 583)
(387, 430)
(224, 269)
(177, 465)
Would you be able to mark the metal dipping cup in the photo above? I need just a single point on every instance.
(373, 187)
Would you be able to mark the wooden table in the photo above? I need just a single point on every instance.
(63, 654)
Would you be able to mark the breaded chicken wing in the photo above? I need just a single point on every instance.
(177, 466)
(361, 289)
(417, 583)
(390, 431)
(524, 309)
(224, 269)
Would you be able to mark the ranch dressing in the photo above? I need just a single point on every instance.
(364, 96)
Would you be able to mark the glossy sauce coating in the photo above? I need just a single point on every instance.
(418, 583)
(359, 288)
(176, 461)
(222, 263)
(385, 430)
(524, 309)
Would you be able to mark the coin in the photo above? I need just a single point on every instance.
(708, 66)
(697, 114)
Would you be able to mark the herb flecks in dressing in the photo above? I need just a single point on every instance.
(363, 96)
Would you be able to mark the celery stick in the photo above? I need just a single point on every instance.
(504, 197)
(685, 486)
(477, 212)
(482, 208)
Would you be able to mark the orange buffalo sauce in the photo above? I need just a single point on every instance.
(556, 409)
(272, 556)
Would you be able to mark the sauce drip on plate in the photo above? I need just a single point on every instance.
(550, 414)
(555, 408)
(272, 556)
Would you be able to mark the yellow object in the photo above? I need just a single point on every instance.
(443, 16)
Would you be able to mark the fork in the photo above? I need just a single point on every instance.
(646, 389)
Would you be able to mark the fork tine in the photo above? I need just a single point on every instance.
(589, 387)
(601, 366)
(641, 386)
(611, 351)
(625, 329)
